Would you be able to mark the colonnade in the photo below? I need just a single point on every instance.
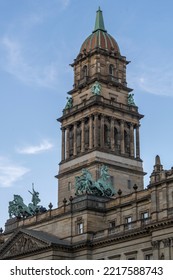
(101, 131)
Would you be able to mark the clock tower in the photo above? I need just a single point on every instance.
(100, 122)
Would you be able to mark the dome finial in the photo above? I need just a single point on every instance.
(99, 23)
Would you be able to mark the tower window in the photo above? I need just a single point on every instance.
(128, 220)
(111, 70)
(71, 141)
(80, 228)
(112, 224)
(85, 71)
(127, 141)
(106, 135)
(78, 140)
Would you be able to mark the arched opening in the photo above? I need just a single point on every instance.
(85, 72)
(86, 135)
(106, 135)
(111, 70)
(71, 141)
(116, 140)
(78, 139)
(127, 142)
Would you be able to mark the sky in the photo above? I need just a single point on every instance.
(38, 41)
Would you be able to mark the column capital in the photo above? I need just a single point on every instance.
(137, 125)
(102, 115)
(83, 120)
(167, 242)
(112, 120)
(132, 124)
(155, 244)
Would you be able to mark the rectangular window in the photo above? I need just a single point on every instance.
(148, 257)
(80, 228)
(145, 215)
(112, 224)
(145, 218)
(128, 222)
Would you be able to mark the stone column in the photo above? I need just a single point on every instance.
(137, 142)
(74, 139)
(102, 132)
(154, 204)
(112, 135)
(122, 136)
(171, 248)
(96, 131)
(131, 140)
(156, 249)
(83, 135)
(63, 144)
(67, 142)
(91, 132)
(167, 248)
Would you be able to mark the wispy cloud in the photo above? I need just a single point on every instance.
(158, 81)
(64, 3)
(10, 172)
(45, 145)
(17, 64)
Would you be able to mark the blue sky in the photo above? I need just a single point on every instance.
(38, 41)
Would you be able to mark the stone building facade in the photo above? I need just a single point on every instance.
(100, 126)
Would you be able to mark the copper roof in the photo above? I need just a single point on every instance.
(99, 37)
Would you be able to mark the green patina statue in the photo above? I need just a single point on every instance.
(96, 88)
(102, 187)
(69, 103)
(131, 100)
(19, 209)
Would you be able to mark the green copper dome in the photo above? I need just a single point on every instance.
(99, 37)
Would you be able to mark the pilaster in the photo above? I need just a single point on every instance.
(131, 140)
(67, 142)
(63, 144)
(91, 132)
(74, 140)
(83, 135)
(122, 137)
(95, 130)
(137, 142)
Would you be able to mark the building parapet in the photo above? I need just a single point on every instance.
(103, 101)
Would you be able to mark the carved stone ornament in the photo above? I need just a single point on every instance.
(22, 245)
(155, 244)
(167, 242)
